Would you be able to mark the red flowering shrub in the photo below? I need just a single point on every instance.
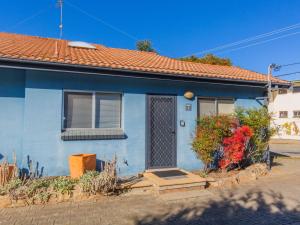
(234, 146)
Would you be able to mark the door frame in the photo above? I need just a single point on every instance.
(148, 134)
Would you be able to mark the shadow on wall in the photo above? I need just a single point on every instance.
(1, 156)
(252, 208)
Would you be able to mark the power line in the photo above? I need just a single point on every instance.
(28, 18)
(261, 42)
(286, 74)
(297, 25)
(102, 21)
(290, 64)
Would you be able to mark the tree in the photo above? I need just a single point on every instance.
(209, 59)
(145, 46)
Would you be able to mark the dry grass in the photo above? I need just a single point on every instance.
(8, 171)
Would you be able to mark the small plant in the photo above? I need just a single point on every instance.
(38, 189)
(12, 185)
(63, 185)
(87, 182)
(105, 182)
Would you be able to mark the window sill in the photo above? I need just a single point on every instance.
(92, 134)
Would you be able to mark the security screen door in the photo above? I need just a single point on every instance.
(161, 131)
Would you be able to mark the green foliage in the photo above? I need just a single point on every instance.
(209, 59)
(93, 182)
(86, 182)
(210, 132)
(288, 128)
(38, 189)
(259, 120)
(63, 185)
(29, 190)
(10, 186)
(145, 46)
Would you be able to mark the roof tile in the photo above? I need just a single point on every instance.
(48, 49)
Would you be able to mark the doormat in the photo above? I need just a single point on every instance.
(169, 173)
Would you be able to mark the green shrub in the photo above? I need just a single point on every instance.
(210, 132)
(259, 120)
(104, 182)
(37, 185)
(29, 190)
(63, 185)
(87, 182)
(10, 186)
(93, 182)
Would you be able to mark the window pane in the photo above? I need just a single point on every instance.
(225, 106)
(78, 110)
(206, 107)
(283, 114)
(108, 111)
(282, 91)
(297, 114)
(296, 89)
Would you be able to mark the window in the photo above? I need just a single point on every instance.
(92, 110)
(282, 91)
(206, 107)
(296, 89)
(283, 114)
(213, 106)
(225, 106)
(297, 114)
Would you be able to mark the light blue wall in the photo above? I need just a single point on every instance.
(12, 92)
(42, 101)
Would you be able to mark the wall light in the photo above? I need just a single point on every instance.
(188, 95)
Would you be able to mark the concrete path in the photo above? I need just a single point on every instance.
(274, 199)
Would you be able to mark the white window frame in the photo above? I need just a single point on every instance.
(93, 108)
(216, 102)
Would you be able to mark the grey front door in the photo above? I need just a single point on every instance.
(161, 131)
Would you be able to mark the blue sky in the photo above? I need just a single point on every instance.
(176, 28)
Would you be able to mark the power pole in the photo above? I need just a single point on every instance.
(60, 5)
(271, 67)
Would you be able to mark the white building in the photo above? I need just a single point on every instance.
(285, 108)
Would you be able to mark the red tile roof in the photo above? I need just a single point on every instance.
(34, 48)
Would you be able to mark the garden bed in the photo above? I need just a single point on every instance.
(221, 179)
(75, 196)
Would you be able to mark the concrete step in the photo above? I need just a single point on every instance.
(187, 182)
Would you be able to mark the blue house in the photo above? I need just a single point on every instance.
(59, 98)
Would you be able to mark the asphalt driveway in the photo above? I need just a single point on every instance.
(290, 148)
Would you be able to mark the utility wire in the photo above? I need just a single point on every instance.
(102, 21)
(28, 18)
(286, 74)
(290, 64)
(260, 42)
(295, 26)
